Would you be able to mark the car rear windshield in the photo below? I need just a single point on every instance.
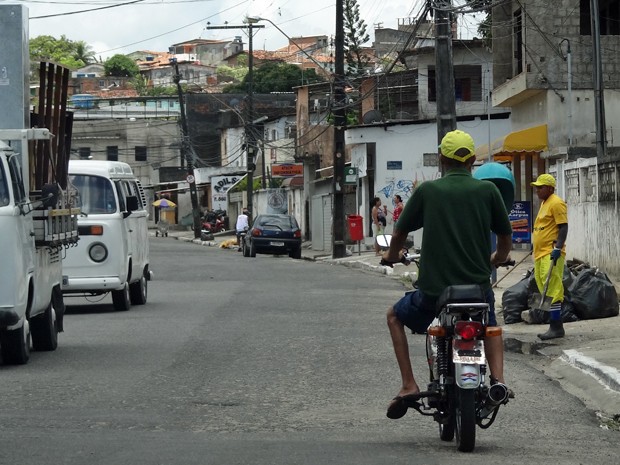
(281, 221)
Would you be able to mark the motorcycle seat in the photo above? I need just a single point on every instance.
(461, 293)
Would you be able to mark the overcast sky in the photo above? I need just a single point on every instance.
(157, 24)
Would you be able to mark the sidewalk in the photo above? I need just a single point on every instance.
(586, 361)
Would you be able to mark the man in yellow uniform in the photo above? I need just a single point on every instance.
(549, 238)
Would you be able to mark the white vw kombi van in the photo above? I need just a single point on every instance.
(112, 254)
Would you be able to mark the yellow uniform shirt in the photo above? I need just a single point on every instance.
(551, 214)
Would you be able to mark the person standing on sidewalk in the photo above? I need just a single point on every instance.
(458, 214)
(378, 221)
(549, 239)
(398, 208)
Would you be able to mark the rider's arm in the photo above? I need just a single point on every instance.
(504, 245)
(394, 253)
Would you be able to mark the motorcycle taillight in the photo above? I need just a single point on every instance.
(468, 329)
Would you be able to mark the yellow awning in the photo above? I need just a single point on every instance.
(530, 140)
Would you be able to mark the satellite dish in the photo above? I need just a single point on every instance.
(372, 116)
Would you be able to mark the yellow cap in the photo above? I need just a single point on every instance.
(544, 180)
(453, 141)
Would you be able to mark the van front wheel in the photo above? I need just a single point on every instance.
(138, 291)
(121, 299)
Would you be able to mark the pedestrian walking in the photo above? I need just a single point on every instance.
(549, 239)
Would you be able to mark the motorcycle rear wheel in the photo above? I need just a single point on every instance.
(466, 420)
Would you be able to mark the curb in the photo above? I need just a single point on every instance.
(604, 374)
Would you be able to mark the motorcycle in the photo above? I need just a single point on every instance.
(213, 222)
(460, 396)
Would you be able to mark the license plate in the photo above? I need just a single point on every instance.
(468, 359)
(276, 244)
(474, 355)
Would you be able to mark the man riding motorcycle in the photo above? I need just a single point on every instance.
(458, 214)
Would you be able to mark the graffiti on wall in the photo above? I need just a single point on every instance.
(404, 187)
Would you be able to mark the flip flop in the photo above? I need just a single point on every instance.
(397, 408)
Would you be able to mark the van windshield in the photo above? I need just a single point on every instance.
(4, 189)
(96, 194)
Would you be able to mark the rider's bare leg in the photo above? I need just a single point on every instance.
(494, 348)
(401, 350)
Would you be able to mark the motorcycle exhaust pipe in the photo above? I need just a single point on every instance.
(498, 393)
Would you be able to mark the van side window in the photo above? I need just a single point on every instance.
(122, 193)
(4, 189)
(16, 179)
(135, 191)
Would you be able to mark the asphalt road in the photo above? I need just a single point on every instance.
(258, 361)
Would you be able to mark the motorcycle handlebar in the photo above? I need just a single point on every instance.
(506, 264)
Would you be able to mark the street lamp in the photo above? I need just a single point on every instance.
(255, 19)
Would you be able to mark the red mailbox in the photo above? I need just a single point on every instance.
(356, 227)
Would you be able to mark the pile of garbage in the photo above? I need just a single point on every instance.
(588, 294)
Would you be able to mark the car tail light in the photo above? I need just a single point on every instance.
(256, 232)
(297, 234)
(468, 329)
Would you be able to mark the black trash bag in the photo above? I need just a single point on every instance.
(540, 317)
(568, 309)
(594, 295)
(515, 298)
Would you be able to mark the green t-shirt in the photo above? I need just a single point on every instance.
(458, 214)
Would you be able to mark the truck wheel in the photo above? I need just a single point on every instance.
(15, 345)
(138, 291)
(121, 299)
(44, 330)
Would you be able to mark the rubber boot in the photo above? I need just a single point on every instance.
(556, 330)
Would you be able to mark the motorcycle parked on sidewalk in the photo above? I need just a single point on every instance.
(460, 396)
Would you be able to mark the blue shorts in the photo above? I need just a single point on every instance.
(417, 311)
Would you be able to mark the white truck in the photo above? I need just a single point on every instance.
(38, 220)
(35, 228)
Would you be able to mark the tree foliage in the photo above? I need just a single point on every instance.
(355, 36)
(228, 73)
(275, 77)
(121, 66)
(484, 27)
(63, 51)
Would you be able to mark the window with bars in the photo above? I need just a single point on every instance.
(607, 177)
(140, 152)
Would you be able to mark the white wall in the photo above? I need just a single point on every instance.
(407, 143)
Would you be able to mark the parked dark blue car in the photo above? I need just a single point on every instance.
(274, 234)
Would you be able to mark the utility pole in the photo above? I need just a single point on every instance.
(186, 155)
(250, 128)
(444, 70)
(338, 245)
(597, 71)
